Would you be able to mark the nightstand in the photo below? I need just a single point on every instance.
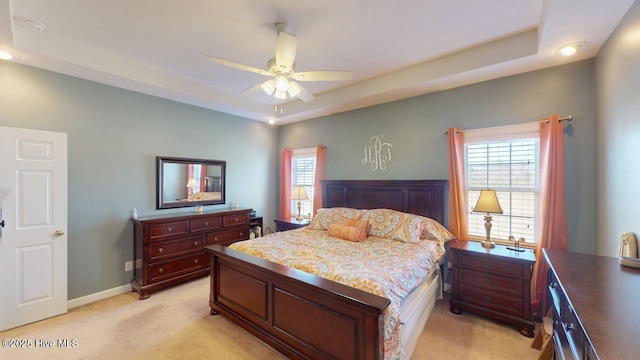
(256, 221)
(493, 282)
(290, 224)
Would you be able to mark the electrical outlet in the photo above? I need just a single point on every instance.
(128, 266)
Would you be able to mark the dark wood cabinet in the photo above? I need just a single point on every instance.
(290, 224)
(493, 282)
(593, 298)
(169, 248)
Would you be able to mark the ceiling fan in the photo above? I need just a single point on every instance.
(281, 69)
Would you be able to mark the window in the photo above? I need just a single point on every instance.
(303, 172)
(504, 159)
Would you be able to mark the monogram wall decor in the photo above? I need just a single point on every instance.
(378, 153)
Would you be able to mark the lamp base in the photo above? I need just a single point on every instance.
(299, 217)
(488, 244)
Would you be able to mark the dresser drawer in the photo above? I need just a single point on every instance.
(228, 237)
(161, 231)
(183, 265)
(206, 223)
(485, 299)
(165, 249)
(233, 220)
(492, 266)
(494, 283)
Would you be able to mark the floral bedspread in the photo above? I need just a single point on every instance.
(385, 267)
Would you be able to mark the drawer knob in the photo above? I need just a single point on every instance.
(195, 243)
(236, 219)
(241, 233)
(160, 250)
(488, 299)
(195, 261)
(487, 265)
(160, 270)
(169, 229)
(488, 281)
(206, 224)
(553, 285)
(215, 238)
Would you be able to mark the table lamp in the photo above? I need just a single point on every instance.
(299, 194)
(192, 183)
(488, 203)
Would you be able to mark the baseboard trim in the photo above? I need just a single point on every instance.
(84, 300)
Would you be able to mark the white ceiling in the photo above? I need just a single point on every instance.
(395, 49)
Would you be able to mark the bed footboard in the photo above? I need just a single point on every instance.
(301, 315)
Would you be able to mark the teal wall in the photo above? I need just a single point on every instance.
(114, 136)
(618, 76)
(416, 128)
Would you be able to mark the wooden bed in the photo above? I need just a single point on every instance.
(304, 316)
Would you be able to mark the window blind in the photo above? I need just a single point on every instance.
(510, 168)
(303, 172)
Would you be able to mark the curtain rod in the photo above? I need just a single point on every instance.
(564, 118)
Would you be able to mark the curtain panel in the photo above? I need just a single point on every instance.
(285, 183)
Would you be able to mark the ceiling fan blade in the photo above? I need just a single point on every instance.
(237, 65)
(296, 90)
(323, 75)
(286, 50)
(258, 87)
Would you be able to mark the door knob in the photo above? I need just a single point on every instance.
(59, 232)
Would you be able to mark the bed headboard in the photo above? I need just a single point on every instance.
(420, 197)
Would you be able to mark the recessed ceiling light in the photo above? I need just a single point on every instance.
(570, 49)
(6, 55)
(271, 121)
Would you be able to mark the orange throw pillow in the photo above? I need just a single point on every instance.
(351, 231)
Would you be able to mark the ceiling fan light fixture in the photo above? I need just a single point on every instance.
(282, 84)
(280, 94)
(294, 89)
(269, 86)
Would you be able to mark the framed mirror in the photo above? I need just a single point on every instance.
(183, 182)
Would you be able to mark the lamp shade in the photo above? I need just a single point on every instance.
(192, 183)
(488, 202)
(299, 193)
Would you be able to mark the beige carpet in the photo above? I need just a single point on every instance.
(175, 324)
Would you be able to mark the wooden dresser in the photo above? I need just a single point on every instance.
(169, 249)
(493, 282)
(595, 310)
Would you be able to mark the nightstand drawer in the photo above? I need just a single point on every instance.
(176, 267)
(161, 231)
(176, 248)
(206, 223)
(491, 265)
(505, 305)
(507, 286)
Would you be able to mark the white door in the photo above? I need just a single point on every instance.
(33, 244)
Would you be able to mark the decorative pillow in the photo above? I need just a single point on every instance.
(339, 215)
(433, 230)
(348, 232)
(395, 225)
